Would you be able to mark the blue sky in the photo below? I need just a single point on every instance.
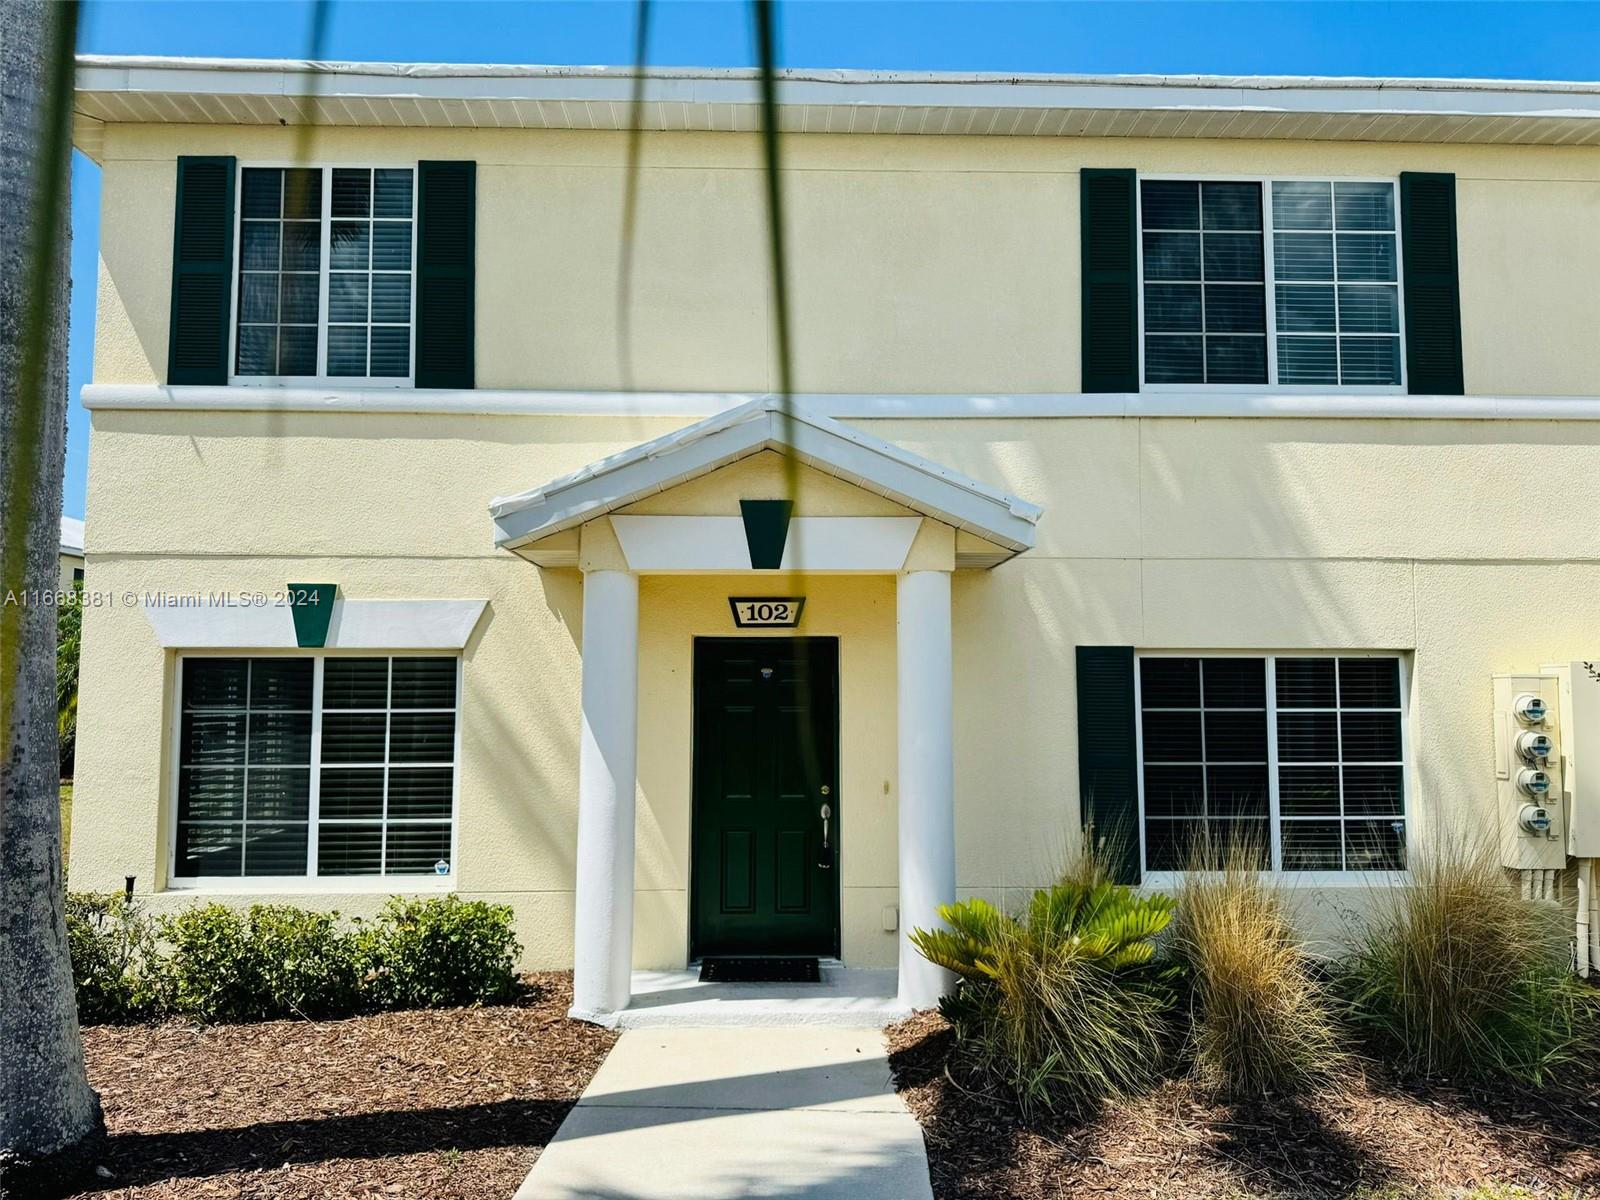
(1320, 37)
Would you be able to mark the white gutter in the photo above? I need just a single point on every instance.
(418, 71)
(282, 78)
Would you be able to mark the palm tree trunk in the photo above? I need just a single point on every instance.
(49, 1117)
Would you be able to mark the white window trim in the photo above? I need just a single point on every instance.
(1270, 280)
(1169, 880)
(309, 884)
(326, 223)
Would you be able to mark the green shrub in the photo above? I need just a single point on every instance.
(214, 963)
(1060, 1007)
(305, 962)
(436, 953)
(209, 970)
(1259, 1022)
(1456, 973)
(109, 939)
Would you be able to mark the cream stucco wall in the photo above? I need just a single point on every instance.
(941, 265)
(1468, 545)
(920, 264)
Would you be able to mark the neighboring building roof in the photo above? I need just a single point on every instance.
(762, 424)
(72, 536)
(113, 88)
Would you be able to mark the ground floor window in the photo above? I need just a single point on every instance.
(316, 766)
(1297, 759)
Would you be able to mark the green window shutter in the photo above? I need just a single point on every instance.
(202, 271)
(1108, 789)
(1432, 284)
(446, 248)
(1110, 349)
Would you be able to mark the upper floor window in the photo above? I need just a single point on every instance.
(1252, 283)
(325, 281)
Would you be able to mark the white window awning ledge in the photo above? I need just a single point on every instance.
(182, 624)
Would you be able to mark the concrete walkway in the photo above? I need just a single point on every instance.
(714, 1114)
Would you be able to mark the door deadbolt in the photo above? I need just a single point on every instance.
(826, 790)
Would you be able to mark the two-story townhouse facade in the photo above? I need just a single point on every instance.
(1177, 457)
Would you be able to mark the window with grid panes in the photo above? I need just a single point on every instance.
(377, 797)
(325, 273)
(1330, 268)
(1297, 760)
(1204, 283)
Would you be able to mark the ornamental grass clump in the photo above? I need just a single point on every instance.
(1260, 1025)
(1060, 1007)
(1458, 974)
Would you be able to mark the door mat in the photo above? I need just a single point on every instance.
(760, 970)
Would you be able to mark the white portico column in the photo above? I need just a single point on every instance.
(927, 787)
(607, 777)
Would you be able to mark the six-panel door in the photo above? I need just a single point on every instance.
(764, 875)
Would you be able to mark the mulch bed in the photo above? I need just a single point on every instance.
(1374, 1135)
(450, 1104)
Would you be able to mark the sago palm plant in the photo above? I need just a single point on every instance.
(1061, 1006)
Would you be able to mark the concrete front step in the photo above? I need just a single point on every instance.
(847, 997)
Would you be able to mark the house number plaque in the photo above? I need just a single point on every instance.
(766, 612)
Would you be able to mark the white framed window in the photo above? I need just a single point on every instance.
(1270, 284)
(315, 767)
(1299, 757)
(325, 284)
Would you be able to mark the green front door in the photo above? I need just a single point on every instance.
(766, 765)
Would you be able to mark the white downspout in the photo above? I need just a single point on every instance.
(1594, 924)
(1585, 900)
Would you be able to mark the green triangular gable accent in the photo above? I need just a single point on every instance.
(766, 529)
(311, 605)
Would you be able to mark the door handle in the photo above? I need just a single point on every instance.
(826, 860)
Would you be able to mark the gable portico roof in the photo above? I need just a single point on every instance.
(753, 427)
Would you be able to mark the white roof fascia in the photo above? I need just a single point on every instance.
(761, 424)
(164, 89)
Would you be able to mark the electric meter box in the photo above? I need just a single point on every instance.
(1531, 790)
(1580, 744)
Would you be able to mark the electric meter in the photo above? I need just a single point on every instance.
(1530, 708)
(1533, 783)
(1533, 753)
(1534, 747)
